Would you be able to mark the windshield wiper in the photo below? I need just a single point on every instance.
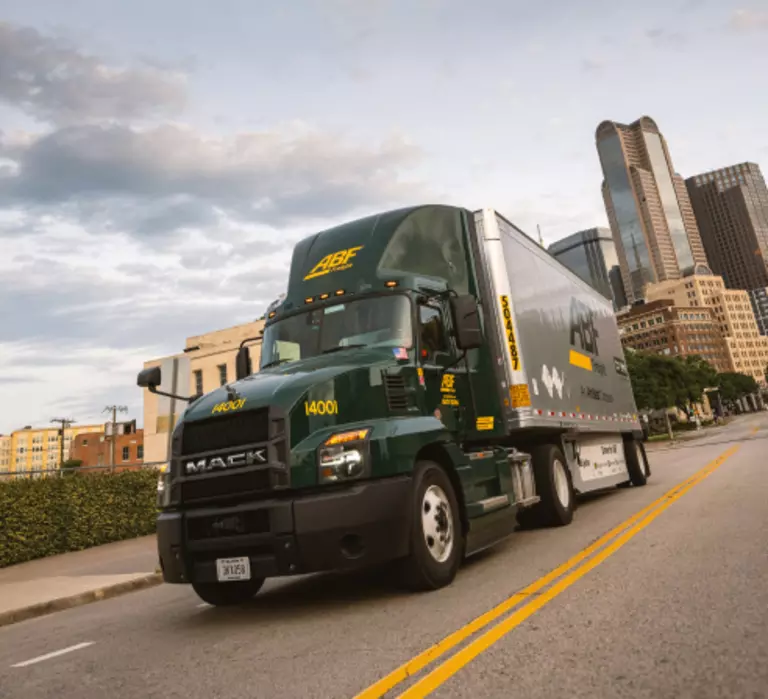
(275, 362)
(342, 347)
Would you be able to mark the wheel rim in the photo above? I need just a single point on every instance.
(437, 523)
(561, 484)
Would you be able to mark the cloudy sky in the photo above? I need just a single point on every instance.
(158, 159)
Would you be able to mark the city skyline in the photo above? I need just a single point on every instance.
(154, 189)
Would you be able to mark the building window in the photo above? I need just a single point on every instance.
(198, 382)
(126, 453)
(222, 373)
(140, 451)
(85, 442)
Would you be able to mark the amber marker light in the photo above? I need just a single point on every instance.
(346, 437)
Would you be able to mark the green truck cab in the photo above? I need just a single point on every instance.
(391, 419)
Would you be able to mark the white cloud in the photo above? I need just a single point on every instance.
(749, 20)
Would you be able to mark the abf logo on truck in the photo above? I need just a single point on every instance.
(583, 335)
(335, 262)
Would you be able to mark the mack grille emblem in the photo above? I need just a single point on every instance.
(215, 463)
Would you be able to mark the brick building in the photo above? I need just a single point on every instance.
(94, 449)
(662, 327)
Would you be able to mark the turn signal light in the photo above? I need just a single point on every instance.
(346, 437)
(390, 284)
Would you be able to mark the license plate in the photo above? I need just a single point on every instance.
(229, 569)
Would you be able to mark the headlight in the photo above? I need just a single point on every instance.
(164, 487)
(344, 456)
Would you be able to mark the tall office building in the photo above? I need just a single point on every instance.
(591, 255)
(651, 217)
(759, 300)
(731, 207)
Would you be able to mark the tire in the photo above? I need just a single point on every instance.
(637, 470)
(228, 594)
(432, 566)
(553, 486)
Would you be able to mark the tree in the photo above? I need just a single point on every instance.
(660, 382)
(71, 467)
(734, 386)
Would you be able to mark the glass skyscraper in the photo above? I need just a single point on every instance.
(591, 255)
(650, 214)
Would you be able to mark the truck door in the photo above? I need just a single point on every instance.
(441, 386)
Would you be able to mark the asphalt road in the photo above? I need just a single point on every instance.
(676, 606)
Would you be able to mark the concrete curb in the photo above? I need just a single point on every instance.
(14, 616)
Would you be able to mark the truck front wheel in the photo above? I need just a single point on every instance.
(227, 594)
(437, 539)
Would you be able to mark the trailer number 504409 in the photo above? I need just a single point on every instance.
(321, 407)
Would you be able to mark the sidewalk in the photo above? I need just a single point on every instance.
(71, 579)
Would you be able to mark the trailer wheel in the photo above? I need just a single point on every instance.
(553, 486)
(635, 464)
(227, 594)
(437, 539)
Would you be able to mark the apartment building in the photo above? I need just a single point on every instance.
(37, 450)
(648, 206)
(5, 453)
(208, 361)
(747, 348)
(664, 328)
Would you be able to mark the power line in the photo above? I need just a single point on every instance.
(114, 409)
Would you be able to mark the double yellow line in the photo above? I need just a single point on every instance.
(579, 566)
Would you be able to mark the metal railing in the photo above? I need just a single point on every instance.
(56, 471)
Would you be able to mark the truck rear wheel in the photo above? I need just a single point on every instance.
(635, 463)
(437, 538)
(553, 486)
(227, 594)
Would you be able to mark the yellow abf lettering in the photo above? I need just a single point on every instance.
(335, 262)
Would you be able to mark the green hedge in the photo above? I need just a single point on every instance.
(45, 516)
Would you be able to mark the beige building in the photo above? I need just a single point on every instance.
(36, 450)
(207, 361)
(652, 220)
(747, 348)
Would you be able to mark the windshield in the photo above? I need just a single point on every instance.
(382, 321)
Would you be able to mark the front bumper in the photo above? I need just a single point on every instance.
(360, 525)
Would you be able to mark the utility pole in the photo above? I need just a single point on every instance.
(541, 240)
(114, 409)
(64, 422)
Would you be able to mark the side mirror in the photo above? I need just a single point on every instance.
(466, 322)
(150, 378)
(243, 366)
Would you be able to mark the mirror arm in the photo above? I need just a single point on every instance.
(153, 389)
(250, 339)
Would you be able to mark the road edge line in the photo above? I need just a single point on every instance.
(33, 611)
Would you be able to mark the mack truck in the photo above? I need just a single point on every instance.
(431, 381)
